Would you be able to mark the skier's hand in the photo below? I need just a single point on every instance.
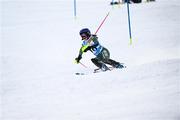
(78, 59)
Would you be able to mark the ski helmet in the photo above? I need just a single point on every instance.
(85, 31)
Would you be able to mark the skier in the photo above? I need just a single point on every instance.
(90, 42)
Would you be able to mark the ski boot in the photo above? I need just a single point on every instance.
(104, 68)
(119, 66)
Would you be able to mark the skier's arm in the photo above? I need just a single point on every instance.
(78, 58)
(87, 47)
(82, 49)
(93, 42)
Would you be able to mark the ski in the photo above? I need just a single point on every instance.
(79, 73)
(98, 70)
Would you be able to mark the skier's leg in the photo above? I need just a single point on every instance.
(114, 63)
(105, 56)
(102, 57)
(111, 62)
(99, 64)
(96, 62)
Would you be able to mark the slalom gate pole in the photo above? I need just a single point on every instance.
(102, 23)
(129, 23)
(75, 8)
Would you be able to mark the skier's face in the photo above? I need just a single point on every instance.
(83, 36)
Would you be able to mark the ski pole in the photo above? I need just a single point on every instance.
(83, 65)
(102, 23)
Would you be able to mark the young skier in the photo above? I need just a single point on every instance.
(90, 42)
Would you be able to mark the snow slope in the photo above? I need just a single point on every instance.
(40, 41)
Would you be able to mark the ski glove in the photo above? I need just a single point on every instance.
(78, 59)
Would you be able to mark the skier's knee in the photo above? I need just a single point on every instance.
(94, 60)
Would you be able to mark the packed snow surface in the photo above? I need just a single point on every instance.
(40, 39)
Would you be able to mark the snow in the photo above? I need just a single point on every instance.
(39, 41)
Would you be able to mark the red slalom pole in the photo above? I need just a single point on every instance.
(99, 26)
(102, 23)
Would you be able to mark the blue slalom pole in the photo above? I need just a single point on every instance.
(129, 23)
(75, 8)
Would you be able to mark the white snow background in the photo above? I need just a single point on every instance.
(40, 39)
